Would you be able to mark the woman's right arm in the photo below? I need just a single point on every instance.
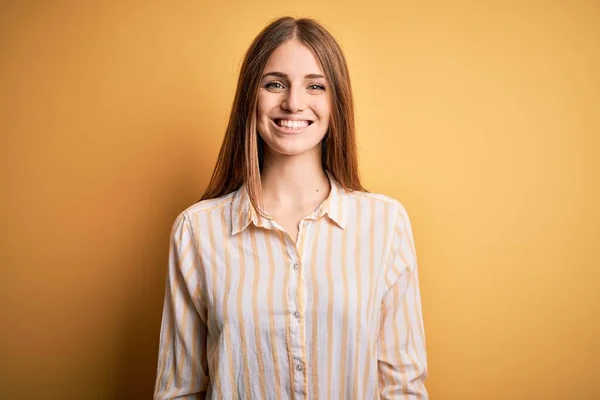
(182, 371)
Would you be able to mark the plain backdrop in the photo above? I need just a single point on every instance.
(481, 117)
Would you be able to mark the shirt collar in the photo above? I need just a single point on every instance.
(335, 206)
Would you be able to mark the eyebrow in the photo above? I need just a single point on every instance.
(282, 75)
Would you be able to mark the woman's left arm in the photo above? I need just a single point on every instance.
(402, 359)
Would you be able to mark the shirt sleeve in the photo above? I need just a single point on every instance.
(402, 359)
(182, 371)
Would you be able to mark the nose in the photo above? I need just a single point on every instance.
(293, 100)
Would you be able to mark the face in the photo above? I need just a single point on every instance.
(293, 108)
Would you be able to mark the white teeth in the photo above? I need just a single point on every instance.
(292, 124)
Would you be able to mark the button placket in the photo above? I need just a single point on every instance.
(295, 303)
(295, 334)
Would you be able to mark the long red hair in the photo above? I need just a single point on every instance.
(241, 156)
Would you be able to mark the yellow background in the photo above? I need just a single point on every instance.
(482, 117)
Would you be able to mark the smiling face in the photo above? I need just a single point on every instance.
(293, 107)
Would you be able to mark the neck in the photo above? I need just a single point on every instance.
(293, 182)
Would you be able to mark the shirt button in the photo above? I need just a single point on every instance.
(295, 266)
(297, 314)
(299, 367)
(305, 224)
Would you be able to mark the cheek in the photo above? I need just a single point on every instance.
(324, 110)
(260, 109)
(265, 103)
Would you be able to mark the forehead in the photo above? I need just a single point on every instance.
(293, 58)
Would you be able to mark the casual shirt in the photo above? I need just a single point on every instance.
(250, 314)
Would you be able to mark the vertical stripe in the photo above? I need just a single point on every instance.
(409, 271)
(213, 254)
(360, 306)
(417, 301)
(165, 338)
(328, 268)
(314, 315)
(199, 331)
(302, 306)
(273, 332)
(398, 340)
(227, 381)
(181, 329)
(212, 243)
(372, 289)
(288, 328)
(388, 244)
(257, 324)
(300, 295)
(201, 334)
(170, 310)
(342, 390)
(409, 335)
(242, 324)
(383, 380)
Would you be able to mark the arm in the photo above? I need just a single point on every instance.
(402, 359)
(182, 371)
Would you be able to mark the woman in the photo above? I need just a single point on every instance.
(288, 279)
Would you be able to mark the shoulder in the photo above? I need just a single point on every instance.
(203, 209)
(209, 205)
(381, 200)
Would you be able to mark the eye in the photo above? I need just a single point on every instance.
(316, 86)
(274, 85)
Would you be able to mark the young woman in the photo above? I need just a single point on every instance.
(288, 279)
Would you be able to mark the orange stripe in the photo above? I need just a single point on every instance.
(228, 345)
(302, 306)
(300, 294)
(417, 313)
(203, 356)
(315, 296)
(417, 309)
(163, 356)
(178, 277)
(372, 289)
(329, 309)
(397, 340)
(241, 319)
(342, 389)
(174, 250)
(383, 378)
(409, 335)
(408, 270)
(300, 241)
(359, 307)
(213, 272)
(193, 359)
(257, 324)
(273, 335)
(172, 376)
(213, 254)
(405, 308)
(288, 328)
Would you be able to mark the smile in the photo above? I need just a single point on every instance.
(293, 125)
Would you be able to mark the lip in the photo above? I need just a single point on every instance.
(291, 131)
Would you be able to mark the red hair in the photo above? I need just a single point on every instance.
(241, 156)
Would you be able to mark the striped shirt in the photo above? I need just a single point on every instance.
(249, 314)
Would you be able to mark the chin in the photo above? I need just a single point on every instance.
(293, 150)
